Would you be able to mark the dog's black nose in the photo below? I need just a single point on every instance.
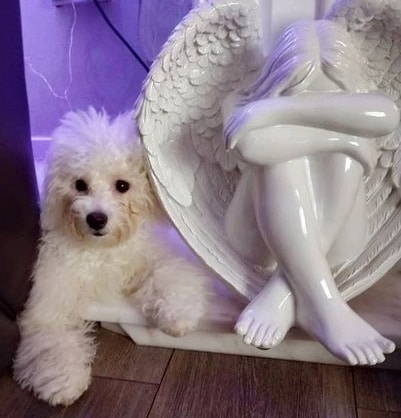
(96, 220)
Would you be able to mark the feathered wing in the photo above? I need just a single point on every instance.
(375, 29)
(211, 53)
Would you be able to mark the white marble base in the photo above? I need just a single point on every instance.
(380, 306)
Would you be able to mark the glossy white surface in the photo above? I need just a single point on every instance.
(309, 210)
(179, 116)
(380, 305)
(295, 139)
(276, 15)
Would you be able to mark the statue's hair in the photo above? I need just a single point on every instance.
(303, 49)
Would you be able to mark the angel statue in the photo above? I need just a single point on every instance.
(282, 172)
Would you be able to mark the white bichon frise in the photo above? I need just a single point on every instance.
(98, 219)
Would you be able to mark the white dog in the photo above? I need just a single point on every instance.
(98, 220)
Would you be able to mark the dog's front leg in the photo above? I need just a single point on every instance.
(55, 362)
(174, 295)
(56, 348)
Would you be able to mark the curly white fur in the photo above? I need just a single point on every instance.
(98, 218)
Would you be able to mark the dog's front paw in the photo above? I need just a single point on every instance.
(177, 327)
(64, 387)
(175, 297)
(56, 366)
(173, 319)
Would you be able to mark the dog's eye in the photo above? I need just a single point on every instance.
(81, 185)
(122, 186)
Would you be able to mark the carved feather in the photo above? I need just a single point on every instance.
(375, 28)
(213, 52)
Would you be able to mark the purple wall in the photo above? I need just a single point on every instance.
(104, 73)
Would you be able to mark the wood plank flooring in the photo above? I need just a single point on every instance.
(135, 382)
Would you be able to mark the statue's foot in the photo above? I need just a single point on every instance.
(344, 333)
(266, 320)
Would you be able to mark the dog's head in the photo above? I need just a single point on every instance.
(96, 189)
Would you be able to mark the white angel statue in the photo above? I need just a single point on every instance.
(283, 177)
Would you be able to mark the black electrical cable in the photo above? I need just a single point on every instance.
(118, 34)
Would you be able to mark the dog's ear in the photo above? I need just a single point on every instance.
(155, 209)
(145, 202)
(53, 203)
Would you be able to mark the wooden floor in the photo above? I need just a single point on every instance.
(134, 381)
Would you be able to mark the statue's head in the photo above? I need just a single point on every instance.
(304, 50)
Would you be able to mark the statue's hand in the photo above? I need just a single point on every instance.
(234, 128)
(363, 151)
(252, 117)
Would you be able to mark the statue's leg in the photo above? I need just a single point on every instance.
(336, 180)
(243, 234)
(240, 224)
(286, 216)
(339, 196)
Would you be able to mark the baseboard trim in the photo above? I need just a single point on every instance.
(40, 147)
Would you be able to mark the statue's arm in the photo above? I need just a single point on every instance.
(276, 144)
(361, 114)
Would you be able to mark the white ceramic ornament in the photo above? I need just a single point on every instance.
(283, 172)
